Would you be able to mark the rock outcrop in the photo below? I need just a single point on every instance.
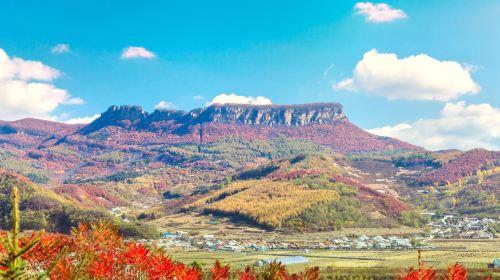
(122, 116)
(135, 117)
(272, 115)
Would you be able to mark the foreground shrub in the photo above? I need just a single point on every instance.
(454, 272)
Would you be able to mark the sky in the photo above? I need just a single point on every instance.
(423, 71)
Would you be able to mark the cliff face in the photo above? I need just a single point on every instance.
(122, 116)
(262, 115)
(272, 115)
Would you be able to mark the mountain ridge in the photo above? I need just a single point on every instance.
(133, 116)
(121, 126)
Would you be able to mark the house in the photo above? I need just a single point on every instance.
(494, 264)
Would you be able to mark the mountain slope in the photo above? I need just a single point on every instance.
(321, 123)
(284, 194)
(40, 208)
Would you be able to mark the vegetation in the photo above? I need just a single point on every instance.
(265, 202)
(472, 196)
(328, 216)
(411, 159)
(414, 219)
(24, 167)
(99, 252)
(112, 157)
(44, 209)
(303, 193)
(467, 164)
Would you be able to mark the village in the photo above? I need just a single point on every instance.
(447, 227)
(210, 242)
(452, 227)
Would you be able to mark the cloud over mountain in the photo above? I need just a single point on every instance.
(164, 105)
(26, 89)
(239, 99)
(82, 120)
(416, 77)
(458, 126)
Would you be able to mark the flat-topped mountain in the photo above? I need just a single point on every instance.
(322, 123)
(271, 115)
(129, 126)
(265, 115)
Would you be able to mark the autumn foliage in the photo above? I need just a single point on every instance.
(100, 252)
(454, 272)
(467, 164)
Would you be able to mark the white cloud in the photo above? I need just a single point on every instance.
(417, 77)
(137, 52)
(239, 99)
(198, 97)
(60, 48)
(164, 105)
(26, 89)
(82, 120)
(378, 13)
(17, 68)
(459, 126)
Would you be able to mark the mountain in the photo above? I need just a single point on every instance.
(319, 170)
(31, 132)
(322, 123)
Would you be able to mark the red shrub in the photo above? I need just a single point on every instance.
(220, 272)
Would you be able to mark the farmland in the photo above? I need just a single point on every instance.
(472, 254)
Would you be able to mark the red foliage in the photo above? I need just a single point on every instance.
(465, 165)
(456, 272)
(392, 205)
(247, 274)
(48, 247)
(99, 252)
(220, 272)
(415, 274)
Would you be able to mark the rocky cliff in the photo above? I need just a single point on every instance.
(272, 115)
(263, 115)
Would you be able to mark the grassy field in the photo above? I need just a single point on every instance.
(472, 254)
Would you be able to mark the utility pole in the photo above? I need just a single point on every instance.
(201, 137)
(419, 264)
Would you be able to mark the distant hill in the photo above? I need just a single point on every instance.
(466, 164)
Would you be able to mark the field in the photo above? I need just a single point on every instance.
(472, 254)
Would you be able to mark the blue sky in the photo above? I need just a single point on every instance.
(285, 51)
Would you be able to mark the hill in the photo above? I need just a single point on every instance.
(42, 208)
(467, 164)
(306, 192)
